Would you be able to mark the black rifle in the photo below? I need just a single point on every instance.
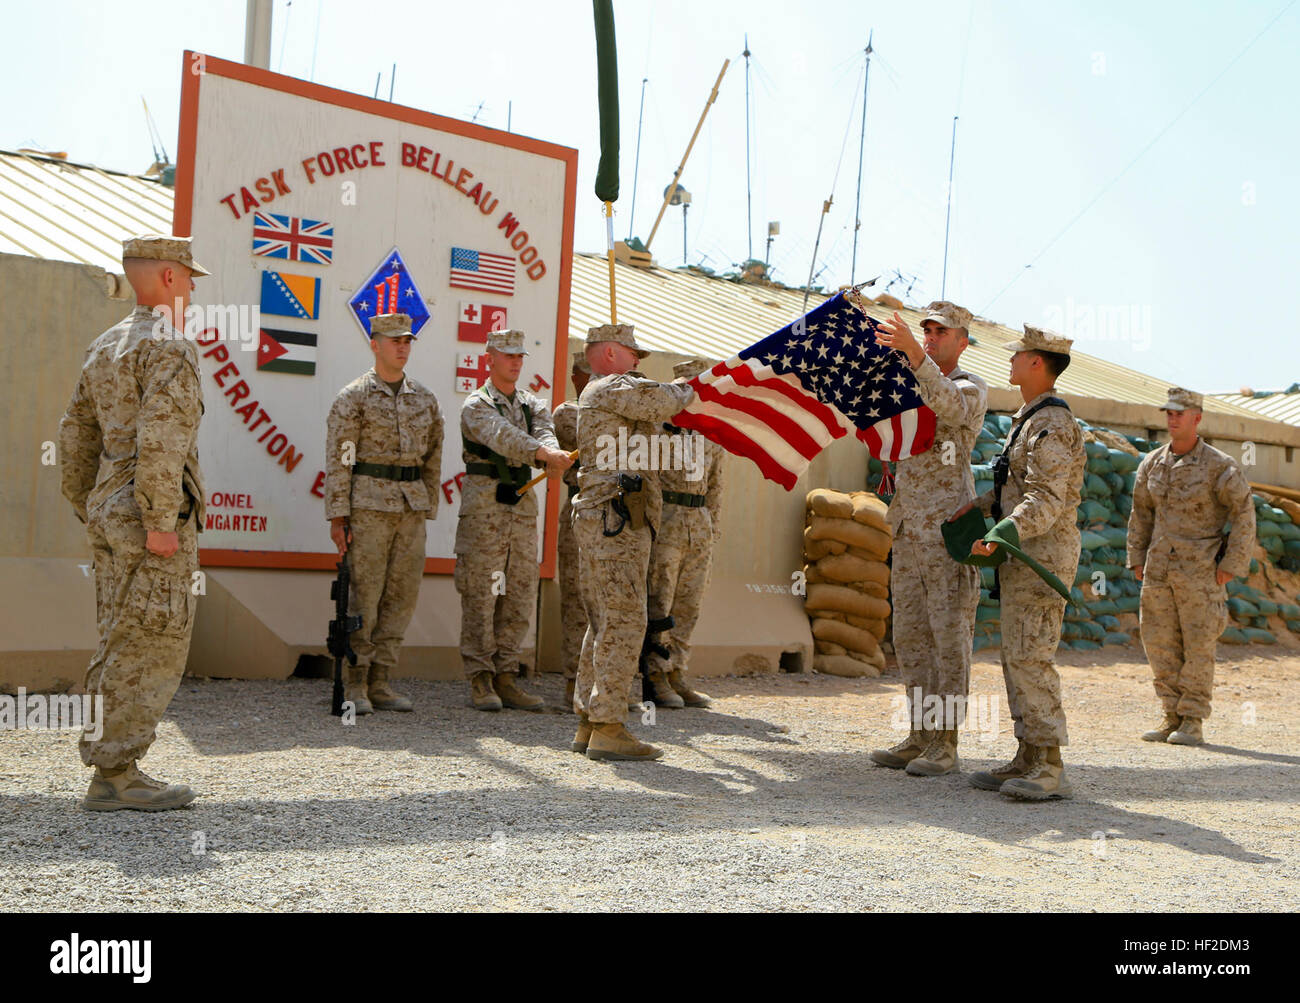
(651, 646)
(341, 628)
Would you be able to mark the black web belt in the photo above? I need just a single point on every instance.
(685, 500)
(387, 471)
(518, 475)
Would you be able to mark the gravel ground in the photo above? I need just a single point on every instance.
(765, 802)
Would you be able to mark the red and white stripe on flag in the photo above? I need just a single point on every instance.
(752, 411)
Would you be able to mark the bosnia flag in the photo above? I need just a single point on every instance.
(286, 352)
(291, 295)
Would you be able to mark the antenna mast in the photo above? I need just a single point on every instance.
(636, 164)
(952, 157)
(862, 142)
(749, 199)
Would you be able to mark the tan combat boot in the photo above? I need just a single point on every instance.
(664, 694)
(1188, 733)
(113, 790)
(692, 698)
(382, 696)
(512, 696)
(482, 696)
(614, 741)
(569, 686)
(356, 690)
(1046, 779)
(1021, 763)
(581, 737)
(896, 757)
(1166, 729)
(939, 757)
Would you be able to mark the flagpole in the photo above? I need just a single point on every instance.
(609, 235)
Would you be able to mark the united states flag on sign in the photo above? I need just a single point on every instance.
(782, 401)
(493, 273)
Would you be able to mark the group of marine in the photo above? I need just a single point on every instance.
(634, 547)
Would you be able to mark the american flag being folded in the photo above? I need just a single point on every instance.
(782, 401)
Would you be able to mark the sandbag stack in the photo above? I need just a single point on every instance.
(847, 540)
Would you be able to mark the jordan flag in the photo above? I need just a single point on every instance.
(287, 352)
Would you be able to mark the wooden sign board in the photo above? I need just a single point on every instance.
(314, 209)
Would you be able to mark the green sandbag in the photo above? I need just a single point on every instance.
(1266, 530)
(1116, 482)
(983, 487)
(1242, 609)
(1076, 614)
(1254, 568)
(1003, 423)
(1129, 481)
(1108, 622)
(1099, 466)
(1092, 630)
(1291, 548)
(1117, 638)
(1103, 606)
(1289, 610)
(1085, 645)
(1260, 622)
(1289, 531)
(1273, 546)
(987, 578)
(985, 613)
(1077, 597)
(988, 603)
(1070, 629)
(1095, 487)
(1096, 451)
(1083, 576)
(1116, 538)
(988, 450)
(1093, 510)
(1293, 626)
(1233, 635)
(1122, 462)
(1113, 572)
(1236, 587)
(1124, 504)
(1255, 635)
(1108, 555)
(1090, 540)
(1118, 519)
(1266, 607)
(1128, 604)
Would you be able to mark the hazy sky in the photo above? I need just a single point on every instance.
(1129, 152)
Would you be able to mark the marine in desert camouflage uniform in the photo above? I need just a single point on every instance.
(1183, 494)
(616, 514)
(383, 461)
(1041, 498)
(934, 598)
(682, 554)
(130, 467)
(504, 429)
(573, 617)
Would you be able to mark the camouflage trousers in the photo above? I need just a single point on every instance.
(1031, 633)
(1182, 617)
(676, 583)
(496, 576)
(573, 615)
(933, 600)
(144, 608)
(386, 558)
(614, 593)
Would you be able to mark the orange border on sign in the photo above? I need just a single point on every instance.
(183, 215)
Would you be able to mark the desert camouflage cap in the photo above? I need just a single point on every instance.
(621, 334)
(510, 342)
(948, 314)
(1181, 399)
(391, 325)
(157, 247)
(691, 367)
(580, 363)
(1035, 339)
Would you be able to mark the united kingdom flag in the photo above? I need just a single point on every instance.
(293, 238)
